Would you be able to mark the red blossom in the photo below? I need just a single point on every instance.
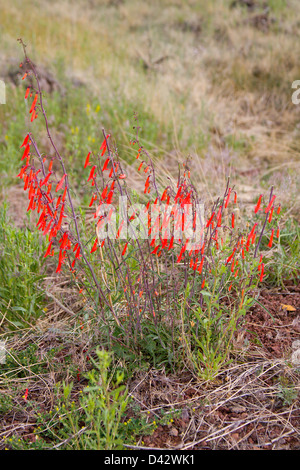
(87, 160)
(59, 185)
(270, 204)
(95, 245)
(258, 204)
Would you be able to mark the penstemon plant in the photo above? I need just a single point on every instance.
(164, 263)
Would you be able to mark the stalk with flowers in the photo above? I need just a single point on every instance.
(161, 268)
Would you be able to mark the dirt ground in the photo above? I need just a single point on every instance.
(244, 408)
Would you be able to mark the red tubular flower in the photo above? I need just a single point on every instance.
(270, 204)
(47, 228)
(95, 245)
(119, 229)
(109, 197)
(87, 160)
(116, 166)
(42, 216)
(277, 233)
(147, 184)
(25, 141)
(48, 250)
(141, 164)
(45, 181)
(26, 181)
(58, 269)
(171, 243)
(33, 116)
(50, 166)
(124, 249)
(232, 266)
(122, 177)
(27, 93)
(231, 256)
(235, 197)
(59, 185)
(21, 173)
(40, 204)
(104, 192)
(49, 188)
(271, 239)
(201, 265)
(279, 209)
(152, 242)
(30, 204)
(271, 214)
(165, 240)
(203, 283)
(258, 204)
(210, 220)
(105, 164)
(64, 194)
(33, 103)
(227, 199)
(31, 190)
(103, 147)
(262, 272)
(155, 250)
(92, 173)
(60, 217)
(260, 262)
(252, 231)
(92, 201)
(77, 255)
(232, 220)
(182, 251)
(112, 171)
(26, 152)
(64, 241)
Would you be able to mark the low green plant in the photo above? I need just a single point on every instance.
(21, 270)
(208, 332)
(287, 393)
(96, 423)
(91, 419)
(284, 265)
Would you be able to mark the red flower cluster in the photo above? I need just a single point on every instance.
(51, 211)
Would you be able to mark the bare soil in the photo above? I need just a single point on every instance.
(244, 408)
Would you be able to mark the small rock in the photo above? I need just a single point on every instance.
(296, 357)
(173, 432)
(296, 324)
(296, 344)
(185, 415)
(237, 409)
